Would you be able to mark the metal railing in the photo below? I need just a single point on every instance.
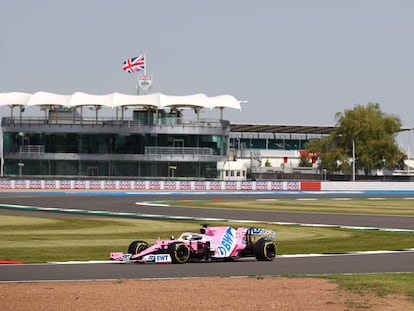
(179, 122)
(178, 151)
(32, 149)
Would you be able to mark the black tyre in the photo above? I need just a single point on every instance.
(179, 252)
(137, 247)
(265, 250)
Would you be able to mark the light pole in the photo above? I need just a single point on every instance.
(353, 160)
(251, 160)
(21, 164)
(408, 152)
(110, 142)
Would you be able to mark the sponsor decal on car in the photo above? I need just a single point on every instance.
(257, 231)
(158, 258)
(120, 256)
(267, 234)
(227, 243)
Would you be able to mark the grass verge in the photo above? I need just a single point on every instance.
(41, 239)
(381, 284)
(345, 206)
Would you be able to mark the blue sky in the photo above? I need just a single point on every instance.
(295, 62)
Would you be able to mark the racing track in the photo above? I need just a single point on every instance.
(349, 263)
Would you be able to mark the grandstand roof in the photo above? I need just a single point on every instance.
(288, 129)
(156, 100)
(268, 128)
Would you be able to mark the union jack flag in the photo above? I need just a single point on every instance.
(134, 64)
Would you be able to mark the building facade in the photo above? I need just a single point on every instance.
(108, 148)
(145, 136)
(155, 141)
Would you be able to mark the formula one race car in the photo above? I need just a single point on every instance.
(212, 243)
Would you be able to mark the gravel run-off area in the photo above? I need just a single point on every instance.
(247, 293)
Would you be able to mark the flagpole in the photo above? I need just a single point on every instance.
(145, 71)
(145, 64)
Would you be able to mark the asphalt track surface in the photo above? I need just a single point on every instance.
(285, 265)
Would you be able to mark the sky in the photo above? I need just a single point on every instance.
(294, 62)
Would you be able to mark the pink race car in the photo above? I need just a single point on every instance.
(212, 243)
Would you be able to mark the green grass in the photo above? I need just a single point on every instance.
(341, 241)
(41, 239)
(354, 206)
(381, 284)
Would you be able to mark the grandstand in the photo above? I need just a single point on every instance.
(146, 136)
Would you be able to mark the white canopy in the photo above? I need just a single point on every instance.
(156, 100)
(192, 101)
(123, 100)
(409, 163)
(225, 101)
(80, 99)
(14, 99)
(46, 99)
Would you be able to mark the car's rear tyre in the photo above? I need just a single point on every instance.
(137, 247)
(179, 252)
(265, 250)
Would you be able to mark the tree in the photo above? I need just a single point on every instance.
(373, 134)
(304, 161)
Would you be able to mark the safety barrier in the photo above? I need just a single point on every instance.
(163, 185)
(180, 185)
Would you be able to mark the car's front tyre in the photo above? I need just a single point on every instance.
(137, 247)
(179, 252)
